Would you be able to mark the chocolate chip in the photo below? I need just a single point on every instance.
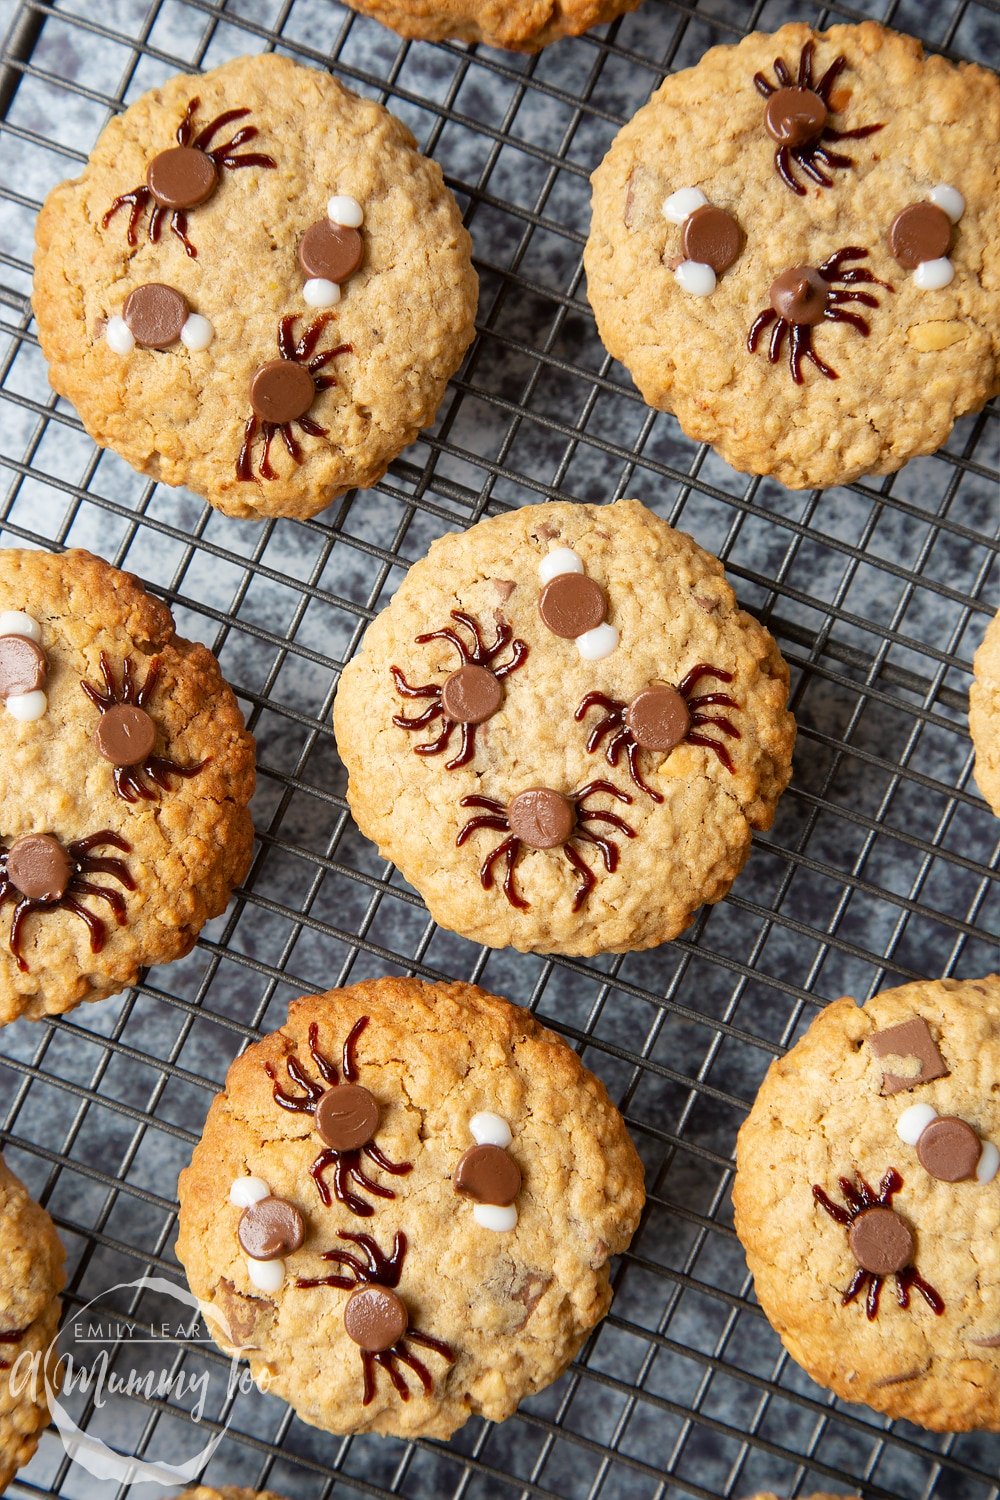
(487, 1174)
(572, 603)
(270, 1228)
(347, 1117)
(922, 231)
(331, 251)
(658, 717)
(910, 1041)
(799, 295)
(375, 1318)
(181, 177)
(794, 117)
(125, 735)
(471, 695)
(712, 236)
(541, 818)
(881, 1241)
(281, 391)
(155, 314)
(39, 867)
(950, 1149)
(23, 667)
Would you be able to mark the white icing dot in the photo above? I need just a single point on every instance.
(247, 1190)
(950, 199)
(559, 560)
(16, 622)
(932, 275)
(27, 706)
(490, 1130)
(119, 336)
(344, 210)
(197, 333)
(914, 1121)
(989, 1163)
(318, 292)
(492, 1216)
(596, 644)
(266, 1275)
(696, 277)
(682, 204)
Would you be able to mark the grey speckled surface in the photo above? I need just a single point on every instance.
(877, 867)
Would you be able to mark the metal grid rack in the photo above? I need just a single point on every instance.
(878, 868)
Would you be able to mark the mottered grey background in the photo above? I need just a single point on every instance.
(878, 867)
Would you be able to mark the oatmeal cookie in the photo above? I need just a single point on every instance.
(984, 714)
(518, 25)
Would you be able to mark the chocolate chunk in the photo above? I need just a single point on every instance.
(125, 735)
(572, 603)
(794, 117)
(23, 667)
(487, 1174)
(922, 231)
(375, 1318)
(281, 391)
(182, 177)
(881, 1241)
(541, 818)
(155, 314)
(347, 1117)
(330, 251)
(950, 1149)
(471, 695)
(910, 1043)
(270, 1228)
(658, 717)
(712, 236)
(39, 867)
(799, 295)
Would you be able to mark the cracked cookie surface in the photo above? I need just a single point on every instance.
(512, 1305)
(521, 26)
(984, 714)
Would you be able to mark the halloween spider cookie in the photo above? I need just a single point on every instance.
(867, 1200)
(563, 730)
(984, 714)
(127, 774)
(257, 288)
(32, 1260)
(793, 249)
(522, 26)
(404, 1204)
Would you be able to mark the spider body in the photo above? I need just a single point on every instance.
(126, 734)
(881, 1241)
(797, 120)
(281, 393)
(805, 296)
(42, 875)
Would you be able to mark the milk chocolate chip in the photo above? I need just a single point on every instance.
(950, 1149)
(181, 177)
(270, 1228)
(799, 295)
(125, 735)
(330, 251)
(471, 695)
(881, 1241)
(571, 604)
(922, 231)
(39, 867)
(281, 391)
(712, 236)
(486, 1174)
(347, 1117)
(541, 818)
(155, 314)
(23, 667)
(794, 117)
(658, 717)
(375, 1318)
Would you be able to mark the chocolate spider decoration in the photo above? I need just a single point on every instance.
(805, 296)
(881, 1240)
(376, 1317)
(346, 1116)
(9, 1339)
(126, 734)
(41, 874)
(797, 119)
(282, 391)
(541, 818)
(660, 718)
(470, 696)
(186, 175)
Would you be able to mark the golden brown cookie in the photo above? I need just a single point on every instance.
(519, 25)
(793, 249)
(257, 288)
(984, 714)
(227, 1492)
(563, 729)
(127, 774)
(32, 1260)
(866, 1199)
(403, 1206)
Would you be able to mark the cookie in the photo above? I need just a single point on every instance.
(257, 288)
(227, 1492)
(127, 773)
(563, 730)
(866, 1201)
(518, 25)
(793, 249)
(770, 1495)
(984, 714)
(403, 1206)
(32, 1259)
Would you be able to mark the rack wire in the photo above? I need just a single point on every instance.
(880, 867)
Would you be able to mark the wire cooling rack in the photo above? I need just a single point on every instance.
(878, 868)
